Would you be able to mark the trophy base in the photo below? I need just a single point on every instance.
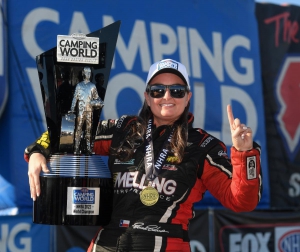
(73, 201)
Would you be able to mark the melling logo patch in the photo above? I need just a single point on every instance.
(288, 95)
(77, 48)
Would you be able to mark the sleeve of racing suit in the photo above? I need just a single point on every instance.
(236, 183)
(41, 145)
(104, 136)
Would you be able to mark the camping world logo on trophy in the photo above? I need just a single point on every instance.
(78, 48)
(73, 79)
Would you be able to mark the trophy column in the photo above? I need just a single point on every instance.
(78, 190)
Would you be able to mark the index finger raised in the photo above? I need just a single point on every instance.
(230, 115)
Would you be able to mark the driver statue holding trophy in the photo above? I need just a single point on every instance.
(87, 98)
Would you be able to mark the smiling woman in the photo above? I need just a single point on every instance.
(162, 165)
(165, 107)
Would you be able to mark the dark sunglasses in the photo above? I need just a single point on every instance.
(159, 90)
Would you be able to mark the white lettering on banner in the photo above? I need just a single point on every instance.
(215, 62)
(197, 246)
(8, 240)
(199, 105)
(183, 47)
(187, 41)
(249, 242)
(114, 88)
(79, 24)
(128, 180)
(229, 94)
(29, 25)
(215, 59)
(294, 190)
(229, 48)
(158, 31)
(138, 41)
(31, 21)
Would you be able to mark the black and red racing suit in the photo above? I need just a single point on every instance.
(164, 225)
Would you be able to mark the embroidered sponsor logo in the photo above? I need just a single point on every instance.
(167, 64)
(44, 140)
(128, 180)
(251, 168)
(120, 121)
(206, 141)
(169, 167)
(150, 228)
(172, 159)
(129, 162)
(222, 154)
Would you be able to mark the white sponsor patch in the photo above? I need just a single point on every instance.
(251, 168)
(77, 48)
(167, 64)
(206, 141)
(129, 162)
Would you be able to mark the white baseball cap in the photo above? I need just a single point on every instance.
(168, 66)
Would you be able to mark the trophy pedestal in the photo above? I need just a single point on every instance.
(73, 200)
(79, 188)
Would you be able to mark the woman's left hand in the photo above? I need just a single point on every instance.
(241, 135)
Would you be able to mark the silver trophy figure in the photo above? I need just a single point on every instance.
(79, 187)
(87, 98)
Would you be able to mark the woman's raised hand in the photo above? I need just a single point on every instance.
(241, 135)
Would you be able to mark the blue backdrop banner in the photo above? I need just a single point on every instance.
(216, 40)
(18, 233)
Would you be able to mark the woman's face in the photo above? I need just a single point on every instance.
(167, 110)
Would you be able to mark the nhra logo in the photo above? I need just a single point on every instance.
(289, 241)
(288, 93)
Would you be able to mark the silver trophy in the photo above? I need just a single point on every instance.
(73, 78)
(87, 98)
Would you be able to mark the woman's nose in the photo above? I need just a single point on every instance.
(167, 94)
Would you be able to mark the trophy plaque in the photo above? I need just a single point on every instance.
(73, 79)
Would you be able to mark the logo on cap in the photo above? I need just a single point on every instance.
(167, 64)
